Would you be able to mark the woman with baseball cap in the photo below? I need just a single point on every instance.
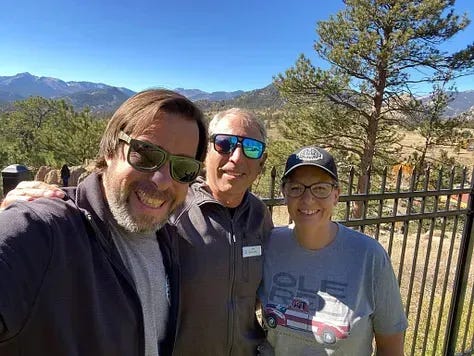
(327, 289)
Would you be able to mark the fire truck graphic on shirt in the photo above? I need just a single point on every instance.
(297, 316)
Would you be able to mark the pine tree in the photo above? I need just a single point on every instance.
(379, 52)
(39, 131)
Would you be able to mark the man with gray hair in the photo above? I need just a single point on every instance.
(223, 228)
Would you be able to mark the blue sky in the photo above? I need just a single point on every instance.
(211, 45)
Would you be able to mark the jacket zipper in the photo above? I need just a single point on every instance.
(232, 285)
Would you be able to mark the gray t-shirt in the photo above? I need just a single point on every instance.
(142, 257)
(328, 301)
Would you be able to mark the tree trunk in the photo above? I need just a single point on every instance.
(366, 164)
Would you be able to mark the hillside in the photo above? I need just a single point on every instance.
(259, 99)
(100, 97)
(413, 139)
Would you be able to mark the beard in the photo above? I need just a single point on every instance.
(125, 219)
(118, 201)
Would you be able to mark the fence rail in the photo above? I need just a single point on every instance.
(425, 222)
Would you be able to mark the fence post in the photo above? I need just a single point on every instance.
(272, 187)
(461, 279)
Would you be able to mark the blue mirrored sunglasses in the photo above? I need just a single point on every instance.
(226, 144)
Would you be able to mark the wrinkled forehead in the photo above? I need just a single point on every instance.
(235, 124)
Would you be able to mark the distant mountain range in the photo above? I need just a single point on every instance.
(463, 101)
(97, 96)
(196, 94)
(101, 97)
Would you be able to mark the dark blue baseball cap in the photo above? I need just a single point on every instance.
(311, 156)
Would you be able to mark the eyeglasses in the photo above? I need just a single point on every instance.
(146, 157)
(319, 190)
(226, 144)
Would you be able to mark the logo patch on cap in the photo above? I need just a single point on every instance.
(309, 154)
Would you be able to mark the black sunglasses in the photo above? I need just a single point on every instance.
(226, 144)
(146, 157)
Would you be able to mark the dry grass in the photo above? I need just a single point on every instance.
(413, 139)
(425, 264)
(280, 215)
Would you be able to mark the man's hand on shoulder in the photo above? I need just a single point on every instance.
(31, 190)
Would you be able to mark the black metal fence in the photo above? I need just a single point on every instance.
(425, 222)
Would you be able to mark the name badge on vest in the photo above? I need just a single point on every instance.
(251, 251)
